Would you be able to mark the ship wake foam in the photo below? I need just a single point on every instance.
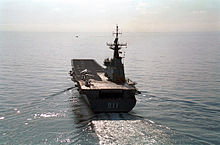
(130, 132)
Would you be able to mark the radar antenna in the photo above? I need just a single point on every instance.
(116, 46)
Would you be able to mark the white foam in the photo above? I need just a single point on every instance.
(29, 119)
(128, 132)
(47, 115)
(1, 118)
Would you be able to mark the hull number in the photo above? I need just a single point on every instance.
(113, 105)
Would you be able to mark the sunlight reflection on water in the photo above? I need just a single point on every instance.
(177, 73)
(129, 132)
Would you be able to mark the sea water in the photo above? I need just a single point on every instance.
(178, 75)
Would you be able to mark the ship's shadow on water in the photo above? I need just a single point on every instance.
(115, 128)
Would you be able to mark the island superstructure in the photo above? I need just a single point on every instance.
(105, 89)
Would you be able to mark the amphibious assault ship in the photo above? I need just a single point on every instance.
(105, 89)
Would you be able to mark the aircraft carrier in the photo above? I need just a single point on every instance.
(105, 89)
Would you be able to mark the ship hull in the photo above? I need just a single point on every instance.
(112, 102)
(100, 93)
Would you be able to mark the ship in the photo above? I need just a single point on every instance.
(105, 89)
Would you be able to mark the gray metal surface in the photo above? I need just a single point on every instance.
(90, 65)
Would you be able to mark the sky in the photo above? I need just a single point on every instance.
(103, 15)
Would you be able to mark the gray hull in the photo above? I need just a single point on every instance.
(111, 102)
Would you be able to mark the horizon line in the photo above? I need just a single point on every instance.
(106, 31)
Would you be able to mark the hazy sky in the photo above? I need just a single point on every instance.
(102, 15)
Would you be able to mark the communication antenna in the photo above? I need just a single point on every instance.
(116, 46)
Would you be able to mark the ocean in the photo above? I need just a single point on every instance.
(178, 75)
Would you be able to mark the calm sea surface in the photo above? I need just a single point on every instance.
(177, 73)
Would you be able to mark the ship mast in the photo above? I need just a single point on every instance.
(116, 46)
